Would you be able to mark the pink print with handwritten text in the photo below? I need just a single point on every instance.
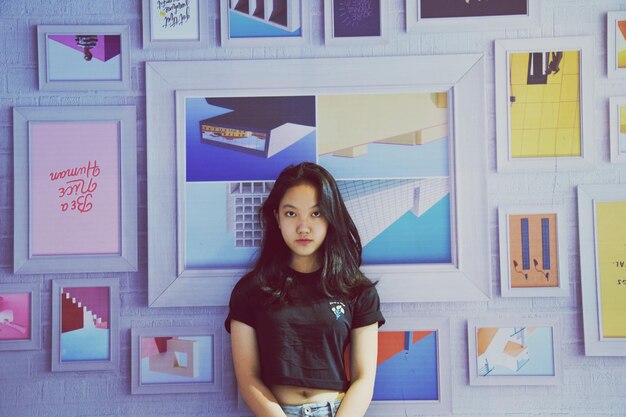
(75, 188)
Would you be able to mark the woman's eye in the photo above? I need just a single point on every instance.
(316, 214)
(290, 214)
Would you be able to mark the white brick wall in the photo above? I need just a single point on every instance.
(593, 387)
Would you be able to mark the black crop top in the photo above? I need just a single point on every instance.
(302, 343)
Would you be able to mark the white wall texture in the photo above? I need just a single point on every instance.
(592, 386)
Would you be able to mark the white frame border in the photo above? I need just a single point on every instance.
(532, 19)
(34, 343)
(498, 380)
(23, 262)
(582, 44)
(329, 24)
(226, 40)
(80, 85)
(614, 128)
(441, 325)
(467, 278)
(168, 388)
(611, 33)
(114, 330)
(561, 234)
(203, 36)
(588, 195)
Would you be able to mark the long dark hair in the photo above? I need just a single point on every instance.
(340, 253)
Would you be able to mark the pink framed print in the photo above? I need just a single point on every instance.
(75, 189)
(20, 316)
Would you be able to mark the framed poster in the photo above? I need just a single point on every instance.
(616, 44)
(601, 210)
(85, 324)
(617, 128)
(355, 22)
(533, 251)
(521, 351)
(543, 104)
(413, 374)
(205, 188)
(264, 23)
(176, 359)
(86, 57)
(75, 189)
(176, 24)
(444, 15)
(20, 318)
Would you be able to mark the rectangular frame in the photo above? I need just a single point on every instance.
(562, 290)
(467, 278)
(588, 196)
(414, 21)
(45, 83)
(444, 378)
(34, 341)
(503, 49)
(329, 25)
(612, 61)
(165, 388)
(114, 312)
(271, 38)
(202, 18)
(618, 151)
(24, 118)
(498, 380)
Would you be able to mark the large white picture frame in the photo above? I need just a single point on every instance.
(551, 133)
(466, 278)
(601, 266)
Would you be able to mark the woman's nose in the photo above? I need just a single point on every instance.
(303, 226)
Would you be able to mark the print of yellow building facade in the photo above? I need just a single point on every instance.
(545, 104)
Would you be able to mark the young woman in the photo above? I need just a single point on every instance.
(292, 317)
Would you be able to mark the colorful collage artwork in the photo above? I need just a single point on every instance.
(85, 324)
(514, 351)
(620, 44)
(407, 366)
(176, 359)
(533, 250)
(611, 261)
(545, 104)
(274, 19)
(15, 310)
(389, 153)
(84, 57)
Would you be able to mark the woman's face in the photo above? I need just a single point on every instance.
(302, 226)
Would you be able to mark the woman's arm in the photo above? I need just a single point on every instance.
(248, 372)
(363, 354)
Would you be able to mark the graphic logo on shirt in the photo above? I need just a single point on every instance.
(338, 308)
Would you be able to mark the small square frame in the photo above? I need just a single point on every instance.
(503, 48)
(164, 388)
(202, 19)
(329, 27)
(441, 326)
(588, 195)
(618, 153)
(226, 40)
(612, 70)
(82, 85)
(414, 21)
(562, 290)
(498, 380)
(23, 120)
(34, 342)
(114, 311)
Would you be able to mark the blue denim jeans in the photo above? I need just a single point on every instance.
(327, 409)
